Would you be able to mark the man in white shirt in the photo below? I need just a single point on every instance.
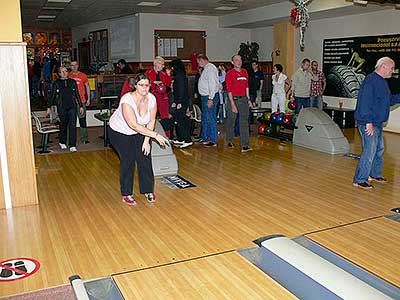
(209, 92)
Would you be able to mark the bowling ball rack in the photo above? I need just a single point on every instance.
(275, 130)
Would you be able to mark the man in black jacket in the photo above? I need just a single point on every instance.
(65, 95)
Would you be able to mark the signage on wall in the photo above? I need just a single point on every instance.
(346, 62)
(18, 268)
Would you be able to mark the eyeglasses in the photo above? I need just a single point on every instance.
(143, 85)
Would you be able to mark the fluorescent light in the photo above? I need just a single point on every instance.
(149, 3)
(52, 8)
(361, 2)
(194, 11)
(46, 17)
(59, 1)
(226, 8)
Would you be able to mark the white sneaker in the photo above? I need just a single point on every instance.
(185, 144)
(63, 146)
(73, 149)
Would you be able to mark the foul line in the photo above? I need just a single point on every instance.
(18, 272)
(342, 225)
(172, 263)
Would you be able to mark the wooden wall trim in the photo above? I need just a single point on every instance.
(17, 124)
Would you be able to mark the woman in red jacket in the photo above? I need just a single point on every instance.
(160, 84)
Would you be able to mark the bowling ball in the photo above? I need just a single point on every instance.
(267, 115)
(294, 119)
(273, 116)
(287, 119)
(292, 105)
(268, 130)
(261, 128)
(160, 89)
(279, 118)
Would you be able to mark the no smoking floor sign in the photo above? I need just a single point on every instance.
(18, 268)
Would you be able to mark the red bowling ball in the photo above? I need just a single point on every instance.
(292, 105)
(287, 119)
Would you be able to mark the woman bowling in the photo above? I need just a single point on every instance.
(279, 93)
(131, 128)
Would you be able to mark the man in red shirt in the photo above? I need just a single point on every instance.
(237, 86)
(84, 92)
(129, 86)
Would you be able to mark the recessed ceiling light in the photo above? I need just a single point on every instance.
(226, 8)
(46, 17)
(59, 1)
(149, 3)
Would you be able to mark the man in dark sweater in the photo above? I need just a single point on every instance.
(65, 95)
(372, 110)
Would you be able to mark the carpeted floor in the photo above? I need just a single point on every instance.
(64, 292)
(96, 143)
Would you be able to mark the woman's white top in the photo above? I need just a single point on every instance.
(117, 120)
(279, 85)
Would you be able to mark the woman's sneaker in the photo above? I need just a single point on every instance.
(150, 197)
(129, 200)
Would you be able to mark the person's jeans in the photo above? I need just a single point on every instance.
(301, 102)
(209, 130)
(316, 101)
(243, 110)
(371, 160)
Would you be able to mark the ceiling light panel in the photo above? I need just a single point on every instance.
(144, 3)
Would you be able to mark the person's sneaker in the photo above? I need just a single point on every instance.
(378, 179)
(176, 142)
(363, 185)
(129, 200)
(73, 149)
(231, 145)
(210, 144)
(150, 197)
(63, 146)
(185, 144)
(246, 149)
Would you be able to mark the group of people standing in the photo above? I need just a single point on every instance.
(306, 87)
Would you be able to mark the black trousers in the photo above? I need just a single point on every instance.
(183, 126)
(67, 125)
(129, 149)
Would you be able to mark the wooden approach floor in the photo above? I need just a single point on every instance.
(82, 227)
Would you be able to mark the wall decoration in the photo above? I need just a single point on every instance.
(54, 39)
(346, 62)
(27, 37)
(41, 38)
(172, 44)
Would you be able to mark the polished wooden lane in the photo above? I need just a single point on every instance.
(225, 276)
(373, 245)
(82, 227)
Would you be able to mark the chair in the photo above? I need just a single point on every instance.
(195, 117)
(108, 101)
(45, 131)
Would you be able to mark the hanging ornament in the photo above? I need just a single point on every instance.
(293, 15)
(299, 16)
